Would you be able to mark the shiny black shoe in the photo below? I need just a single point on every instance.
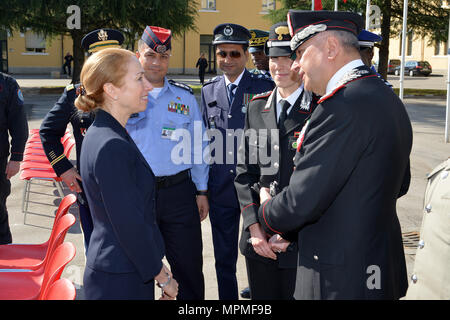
(245, 293)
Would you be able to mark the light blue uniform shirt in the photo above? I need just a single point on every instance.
(169, 133)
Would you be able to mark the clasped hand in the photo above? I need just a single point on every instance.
(266, 247)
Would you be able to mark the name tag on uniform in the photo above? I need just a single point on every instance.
(167, 132)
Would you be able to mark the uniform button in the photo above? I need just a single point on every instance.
(414, 278)
(230, 134)
(316, 257)
(276, 147)
(230, 116)
(231, 171)
(421, 244)
(444, 174)
(276, 165)
(428, 208)
(293, 159)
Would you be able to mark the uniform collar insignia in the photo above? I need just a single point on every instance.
(350, 76)
(305, 104)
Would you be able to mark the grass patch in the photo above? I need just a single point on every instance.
(421, 92)
(197, 88)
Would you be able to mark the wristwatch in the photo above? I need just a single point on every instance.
(202, 193)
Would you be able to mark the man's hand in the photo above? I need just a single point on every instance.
(203, 206)
(12, 168)
(278, 244)
(264, 194)
(70, 179)
(259, 242)
(170, 290)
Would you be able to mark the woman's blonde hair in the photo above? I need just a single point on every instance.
(106, 66)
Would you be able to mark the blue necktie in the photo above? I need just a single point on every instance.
(231, 88)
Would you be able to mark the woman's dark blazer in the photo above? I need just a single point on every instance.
(126, 246)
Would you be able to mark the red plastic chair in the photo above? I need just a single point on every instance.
(62, 289)
(25, 256)
(17, 258)
(33, 285)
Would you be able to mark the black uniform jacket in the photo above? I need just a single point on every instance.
(119, 186)
(262, 142)
(343, 192)
(13, 120)
(54, 126)
(219, 114)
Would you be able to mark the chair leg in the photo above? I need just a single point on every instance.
(24, 195)
(60, 188)
(27, 202)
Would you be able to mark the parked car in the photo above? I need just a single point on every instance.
(414, 68)
(392, 64)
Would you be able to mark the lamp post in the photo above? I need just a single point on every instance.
(446, 6)
(367, 15)
(402, 63)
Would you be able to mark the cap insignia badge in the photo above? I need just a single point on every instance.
(228, 31)
(161, 49)
(102, 35)
(280, 31)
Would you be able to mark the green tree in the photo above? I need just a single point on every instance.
(425, 17)
(50, 17)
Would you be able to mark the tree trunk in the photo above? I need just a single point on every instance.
(78, 55)
(385, 33)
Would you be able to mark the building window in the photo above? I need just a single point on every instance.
(208, 4)
(268, 5)
(409, 43)
(440, 48)
(34, 42)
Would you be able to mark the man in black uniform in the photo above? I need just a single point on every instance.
(54, 126)
(350, 167)
(12, 122)
(224, 104)
(274, 120)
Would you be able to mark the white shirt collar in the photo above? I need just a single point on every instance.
(340, 74)
(291, 99)
(236, 82)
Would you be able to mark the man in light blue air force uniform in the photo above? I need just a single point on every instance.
(169, 133)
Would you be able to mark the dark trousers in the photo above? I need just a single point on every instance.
(5, 190)
(69, 69)
(201, 75)
(269, 282)
(225, 232)
(179, 221)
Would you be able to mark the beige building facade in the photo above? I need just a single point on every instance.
(30, 53)
(418, 48)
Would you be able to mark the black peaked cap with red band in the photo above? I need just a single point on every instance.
(303, 25)
(157, 38)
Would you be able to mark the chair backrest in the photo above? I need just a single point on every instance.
(65, 205)
(63, 208)
(68, 145)
(61, 289)
(56, 264)
(58, 235)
